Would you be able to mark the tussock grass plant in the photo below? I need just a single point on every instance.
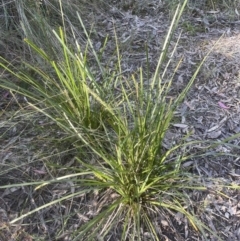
(122, 132)
(65, 89)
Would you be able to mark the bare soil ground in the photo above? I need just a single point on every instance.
(211, 111)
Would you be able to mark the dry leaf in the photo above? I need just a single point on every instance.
(214, 134)
(183, 126)
(222, 105)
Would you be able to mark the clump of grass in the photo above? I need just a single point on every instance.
(123, 132)
(65, 89)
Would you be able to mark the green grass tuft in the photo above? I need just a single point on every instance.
(120, 136)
